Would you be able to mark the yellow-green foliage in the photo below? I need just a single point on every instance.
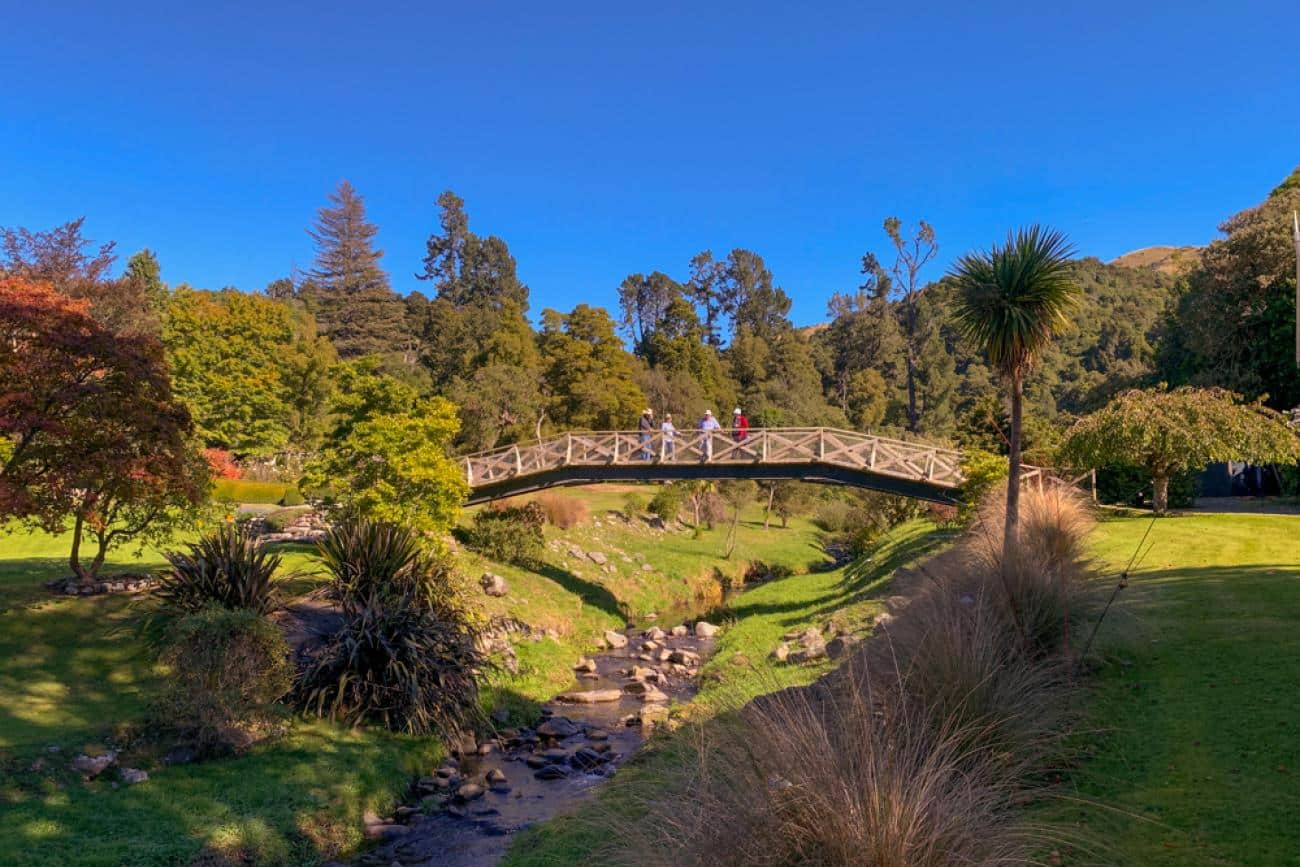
(248, 491)
(982, 470)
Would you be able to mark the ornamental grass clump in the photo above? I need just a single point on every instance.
(407, 655)
(226, 568)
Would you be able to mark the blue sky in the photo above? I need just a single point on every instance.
(602, 139)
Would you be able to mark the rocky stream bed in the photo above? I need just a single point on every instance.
(464, 812)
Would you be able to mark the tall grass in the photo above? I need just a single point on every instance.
(563, 512)
(916, 750)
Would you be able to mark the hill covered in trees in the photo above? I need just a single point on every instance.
(258, 369)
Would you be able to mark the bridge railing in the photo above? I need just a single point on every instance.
(882, 455)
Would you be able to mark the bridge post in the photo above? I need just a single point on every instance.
(519, 462)
(469, 473)
(763, 434)
(568, 449)
(871, 458)
(821, 443)
(615, 458)
(929, 466)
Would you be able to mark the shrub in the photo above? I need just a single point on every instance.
(292, 497)
(228, 668)
(279, 520)
(407, 656)
(563, 512)
(983, 472)
(667, 502)
(634, 505)
(222, 463)
(369, 562)
(224, 568)
(832, 516)
(509, 534)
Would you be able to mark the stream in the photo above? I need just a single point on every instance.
(492, 789)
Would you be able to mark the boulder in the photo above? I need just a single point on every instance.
(590, 696)
(616, 640)
(680, 631)
(92, 766)
(598, 558)
(781, 652)
(809, 652)
(558, 727)
(132, 776)
(704, 629)
(654, 633)
(469, 791)
(684, 657)
(585, 759)
(840, 645)
(493, 584)
(586, 664)
(652, 714)
(552, 772)
(496, 775)
(653, 695)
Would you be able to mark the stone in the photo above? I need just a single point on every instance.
(882, 619)
(637, 687)
(646, 567)
(556, 754)
(840, 645)
(680, 631)
(493, 584)
(655, 634)
(897, 603)
(500, 788)
(585, 759)
(133, 776)
(496, 775)
(590, 696)
(586, 664)
(385, 831)
(652, 714)
(654, 695)
(558, 727)
(616, 640)
(664, 655)
(486, 748)
(536, 762)
(781, 652)
(92, 766)
(598, 558)
(684, 657)
(598, 735)
(639, 672)
(469, 791)
(809, 652)
(704, 629)
(552, 772)
(650, 646)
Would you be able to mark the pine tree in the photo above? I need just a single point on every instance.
(347, 289)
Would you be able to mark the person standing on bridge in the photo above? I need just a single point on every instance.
(708, 424)
(669, 433)
(646, 427)
(739, 426)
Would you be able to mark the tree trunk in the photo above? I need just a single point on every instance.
(1160, 494)
(767, 515)
(74, 558)
(911, 388)
(1013, 467)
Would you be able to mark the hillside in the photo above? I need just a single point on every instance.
(1164, 259)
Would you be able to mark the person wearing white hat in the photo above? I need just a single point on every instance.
(669, 434)
(739, 426)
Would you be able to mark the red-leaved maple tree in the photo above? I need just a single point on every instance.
(90, 434)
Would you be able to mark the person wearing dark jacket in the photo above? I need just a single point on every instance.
(646, 426)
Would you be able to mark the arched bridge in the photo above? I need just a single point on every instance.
(823, 455)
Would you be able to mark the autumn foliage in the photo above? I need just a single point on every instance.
(89, 431)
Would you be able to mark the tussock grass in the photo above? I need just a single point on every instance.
(918, 749)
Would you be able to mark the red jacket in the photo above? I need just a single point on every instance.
(739, 427)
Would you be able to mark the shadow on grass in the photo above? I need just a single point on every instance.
(589, 592)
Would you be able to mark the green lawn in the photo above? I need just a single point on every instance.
(1195, 755)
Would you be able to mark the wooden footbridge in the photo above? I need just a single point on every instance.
(825, 455)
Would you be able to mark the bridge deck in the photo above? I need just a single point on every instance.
(812, 454)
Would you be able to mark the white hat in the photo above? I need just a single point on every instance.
(647, 411)
(708, 412)
(736, 411)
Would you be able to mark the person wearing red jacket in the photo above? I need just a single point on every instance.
(739, 426)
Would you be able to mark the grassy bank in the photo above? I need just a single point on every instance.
(740, 669)
(1195, 751)
(71, 678)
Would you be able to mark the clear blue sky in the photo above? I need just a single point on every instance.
(602, 139)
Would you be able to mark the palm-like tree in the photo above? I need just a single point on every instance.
(1011, 300)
